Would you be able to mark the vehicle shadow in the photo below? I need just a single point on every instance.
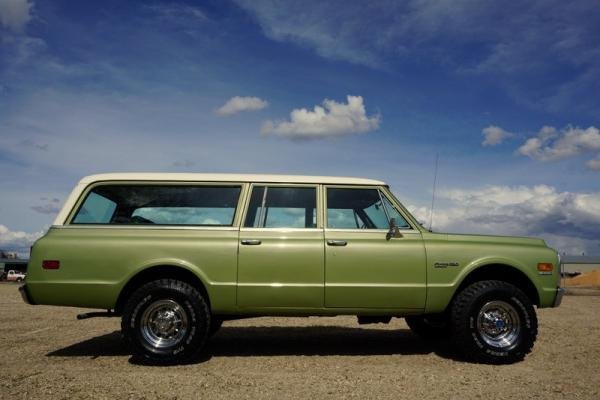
(280, 341)
(107, 345)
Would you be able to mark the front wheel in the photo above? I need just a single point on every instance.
(494, 322)
(166, 321)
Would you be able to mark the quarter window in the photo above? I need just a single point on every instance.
(360, 209)
(282, 207)
(160, 205)
(95, 210)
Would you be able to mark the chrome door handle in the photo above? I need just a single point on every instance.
(337, 242)
(251, 242)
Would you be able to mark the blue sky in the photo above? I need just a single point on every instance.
(505, 94)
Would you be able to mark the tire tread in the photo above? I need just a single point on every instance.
(181, 288)
(462, 335)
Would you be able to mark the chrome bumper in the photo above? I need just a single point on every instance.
(25, 295)
(560, 292)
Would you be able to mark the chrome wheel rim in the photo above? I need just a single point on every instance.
(164, 323)
(499, 325)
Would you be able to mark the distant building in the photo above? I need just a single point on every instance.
(18, 264)
(10, 260)
(580, 263)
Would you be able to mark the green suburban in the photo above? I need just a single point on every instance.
(175, 255)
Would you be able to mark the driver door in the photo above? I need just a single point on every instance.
(364, 268)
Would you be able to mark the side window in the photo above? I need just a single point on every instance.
(96, 209)
(160, 205)
(393, 213)
(282, 207)
(360, 209)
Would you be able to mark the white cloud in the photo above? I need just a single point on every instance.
(48, 206)
(333, 119)
(15, 14)
(552, 145)
(179, 13)
(238, 104)
(568, 221)
(494, 135)
(521, 45)
(17, 239)
(594, 163)
(314, 24)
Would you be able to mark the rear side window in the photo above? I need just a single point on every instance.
(282, 207)
(160, 205)
(95, 210)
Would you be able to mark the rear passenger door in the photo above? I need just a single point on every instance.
(281, 250)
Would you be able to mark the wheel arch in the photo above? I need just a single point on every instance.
(501, 272)
(160, 271)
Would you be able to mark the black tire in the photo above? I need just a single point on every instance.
(434, 327)
(494, 322)
(215, 325)
(166, 322)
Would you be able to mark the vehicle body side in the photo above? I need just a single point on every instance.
(98, 262)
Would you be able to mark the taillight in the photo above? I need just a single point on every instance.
(51, 264)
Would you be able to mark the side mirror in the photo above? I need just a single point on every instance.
(394, 232)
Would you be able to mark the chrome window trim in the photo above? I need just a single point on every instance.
(385, 210)
(403, 231)
(148, 226)
(251, 229)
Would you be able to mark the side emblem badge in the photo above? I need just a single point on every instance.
(446, 264)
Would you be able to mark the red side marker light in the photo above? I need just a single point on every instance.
(51, 264)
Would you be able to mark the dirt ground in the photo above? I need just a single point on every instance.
(591, 278)
(47, 353)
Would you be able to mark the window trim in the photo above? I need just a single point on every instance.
(79, 203)
(318, 193)
(383, 193)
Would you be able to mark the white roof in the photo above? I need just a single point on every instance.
(198, 177)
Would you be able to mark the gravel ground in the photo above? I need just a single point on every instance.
(47, 353)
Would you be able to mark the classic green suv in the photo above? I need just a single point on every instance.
(177, 254)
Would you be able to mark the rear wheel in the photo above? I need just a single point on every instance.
(494, 322)
(166, 321)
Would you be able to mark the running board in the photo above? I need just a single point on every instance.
(107, 313)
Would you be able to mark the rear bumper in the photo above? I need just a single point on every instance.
(560, 292)
(25, 295)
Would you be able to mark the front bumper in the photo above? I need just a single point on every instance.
(25, 295)
(560, 292)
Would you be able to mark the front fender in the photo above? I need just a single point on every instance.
(441, 291)
(480, 262)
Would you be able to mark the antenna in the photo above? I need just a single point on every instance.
(437, 156)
